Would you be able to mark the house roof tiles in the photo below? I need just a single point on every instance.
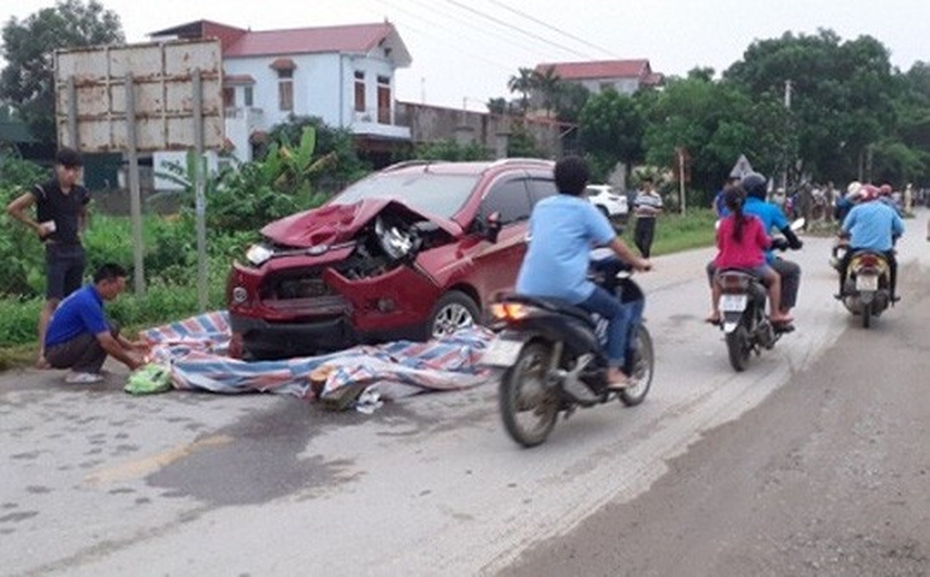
(351, 38)
(599, 69)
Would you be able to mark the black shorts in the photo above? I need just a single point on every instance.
(64, 269)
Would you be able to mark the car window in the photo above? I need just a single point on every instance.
(540, 188)
(509, 198)
(439, 194)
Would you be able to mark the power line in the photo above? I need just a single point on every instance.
(517, 29)
(434, 37)
(553, 28)
(458, 21)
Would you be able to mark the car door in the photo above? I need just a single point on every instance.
(499, 262)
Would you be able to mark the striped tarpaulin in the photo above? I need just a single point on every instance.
(195, 350)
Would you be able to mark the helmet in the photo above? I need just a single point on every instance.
(755, 185)
(853, 190)
(869, 192)
(885, 190)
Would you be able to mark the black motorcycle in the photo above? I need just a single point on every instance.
(746, 326)
(553, 355)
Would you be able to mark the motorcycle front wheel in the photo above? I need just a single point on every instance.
(529, 406)
(641, 370)
(738, 347)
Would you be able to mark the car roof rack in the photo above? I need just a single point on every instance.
(522, 160)
(407, 164)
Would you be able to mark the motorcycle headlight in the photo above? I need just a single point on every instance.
(258, 254)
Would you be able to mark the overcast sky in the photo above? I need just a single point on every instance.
(464, 51)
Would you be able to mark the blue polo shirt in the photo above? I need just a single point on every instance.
(81, 312)
(871, 225)
(563, 230)
(771, 217)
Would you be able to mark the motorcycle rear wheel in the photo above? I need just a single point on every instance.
(738, 348)
(529, 405)
(642, 370)
(866, 315)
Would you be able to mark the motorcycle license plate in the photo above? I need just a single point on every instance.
(501, 353)
(866, 282)
(733, 303)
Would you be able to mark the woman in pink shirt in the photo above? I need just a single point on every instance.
(741, 242)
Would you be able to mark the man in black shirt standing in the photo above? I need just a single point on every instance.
(60, 216)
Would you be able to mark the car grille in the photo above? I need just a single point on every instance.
(302, 288)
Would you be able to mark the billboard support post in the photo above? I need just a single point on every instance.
(135, 195)
(200, 204)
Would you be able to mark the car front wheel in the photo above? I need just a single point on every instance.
(452, 312)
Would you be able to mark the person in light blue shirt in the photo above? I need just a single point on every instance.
(563, 230)
(871, 225)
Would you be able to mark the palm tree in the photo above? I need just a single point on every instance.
(548, 84)
(522, 84)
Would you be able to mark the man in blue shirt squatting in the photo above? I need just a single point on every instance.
(871, 225)
(563, 230)
(79, 335)
(773, 217)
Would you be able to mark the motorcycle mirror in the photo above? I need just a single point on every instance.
(798, 224)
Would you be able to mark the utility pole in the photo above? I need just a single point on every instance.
(784, 178)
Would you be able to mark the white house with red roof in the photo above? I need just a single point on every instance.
(342, 74)
(624, 76)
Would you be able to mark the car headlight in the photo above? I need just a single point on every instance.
(258, 254)
(394, 242)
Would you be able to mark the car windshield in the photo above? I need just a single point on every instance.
(438, 194)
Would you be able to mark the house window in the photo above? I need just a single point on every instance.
(384, 100)
(286, 89)
(229, 97)
(249, 98)
(359, 91)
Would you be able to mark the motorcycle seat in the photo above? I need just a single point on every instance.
(554, 305)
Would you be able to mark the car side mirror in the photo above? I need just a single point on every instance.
(492, 226)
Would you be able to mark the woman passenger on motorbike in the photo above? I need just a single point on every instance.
(563, 230)
(741, 243)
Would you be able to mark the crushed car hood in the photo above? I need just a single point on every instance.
(336, 223)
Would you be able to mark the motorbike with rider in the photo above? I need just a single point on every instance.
(868, 269)
(550, 348)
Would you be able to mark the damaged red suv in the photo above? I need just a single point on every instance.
(414, 251)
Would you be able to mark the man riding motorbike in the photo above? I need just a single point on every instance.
(564, 228)
(772, 217)
(871, 226)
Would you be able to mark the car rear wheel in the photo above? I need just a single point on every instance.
(452, 312)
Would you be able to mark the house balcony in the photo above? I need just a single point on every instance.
(372, 124)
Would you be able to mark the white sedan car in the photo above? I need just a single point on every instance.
(610, 201)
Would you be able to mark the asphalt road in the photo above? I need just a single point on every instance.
(810, 462)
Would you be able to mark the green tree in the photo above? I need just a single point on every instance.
(451, 150)
(27, 81)
(716, 122)
(611, 128)
(570, 102)
(522, 144)
(841, 95)
(345, 167)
